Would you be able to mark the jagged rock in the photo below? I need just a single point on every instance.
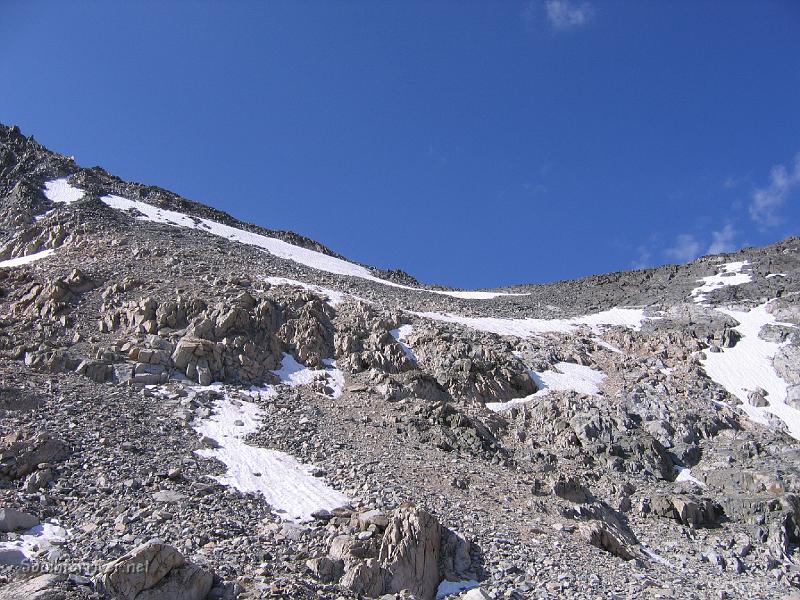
(326, 569)
(139, 570)
(688, 511)
(601, 536)
(38, 480)
(20, 457)
(410, 552)
(12, 519)
(367, 578)
(787, 363)
(571, 489)
(756, 398)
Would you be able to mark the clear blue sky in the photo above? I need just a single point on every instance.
(470, 143)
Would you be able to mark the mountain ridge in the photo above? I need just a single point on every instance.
(266, 419)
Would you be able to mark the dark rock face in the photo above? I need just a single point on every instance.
(577, 456)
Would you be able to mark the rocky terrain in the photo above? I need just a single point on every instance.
(194, 407)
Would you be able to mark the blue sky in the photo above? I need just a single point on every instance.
(470, 143)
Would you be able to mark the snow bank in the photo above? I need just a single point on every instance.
(24, 260)
(748, 365)
(286, 484)
(731, 275)
(565, 377)
(625, 317)
(400, 334)
(62, 192)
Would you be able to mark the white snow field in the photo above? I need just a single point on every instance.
(625, 317)
(748, 365)
(731, 274)
(400, 334)
(24, 260)
(32, 543)
(566, 377)
(58, 190)
(62, 192)
(287, 485)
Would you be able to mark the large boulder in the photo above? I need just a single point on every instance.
(413, 557)
(410, 552)
(154, 571)
(12, 519)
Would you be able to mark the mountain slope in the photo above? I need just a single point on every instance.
(305, 426)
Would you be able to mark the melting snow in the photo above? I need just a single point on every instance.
(625, 317)
(24, 260)
(400, 334)
(731, 275)
(566, 377)
(748, 365)
(287, 485)
(32, 543)
(62, 192)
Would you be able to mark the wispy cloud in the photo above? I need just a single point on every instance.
(722, 240)
(685, 248)
(644, 258)
(767, 201)
(564, 14)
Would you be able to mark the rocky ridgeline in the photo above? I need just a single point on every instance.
(626, 471)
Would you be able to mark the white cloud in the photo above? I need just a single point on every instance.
(722, 240)
(766, 201)
(563, 14)
(685, 248)
(643, 260)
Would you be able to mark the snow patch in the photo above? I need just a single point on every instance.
(565, 377)
(333, 297)
(451, 588)
(32, 543)
(286, 484)
(730, 275)
(58, 190)
(24, 260)
(748, 365)
(294, 374)
(685, 474)
(619, 317)
(400, 334)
